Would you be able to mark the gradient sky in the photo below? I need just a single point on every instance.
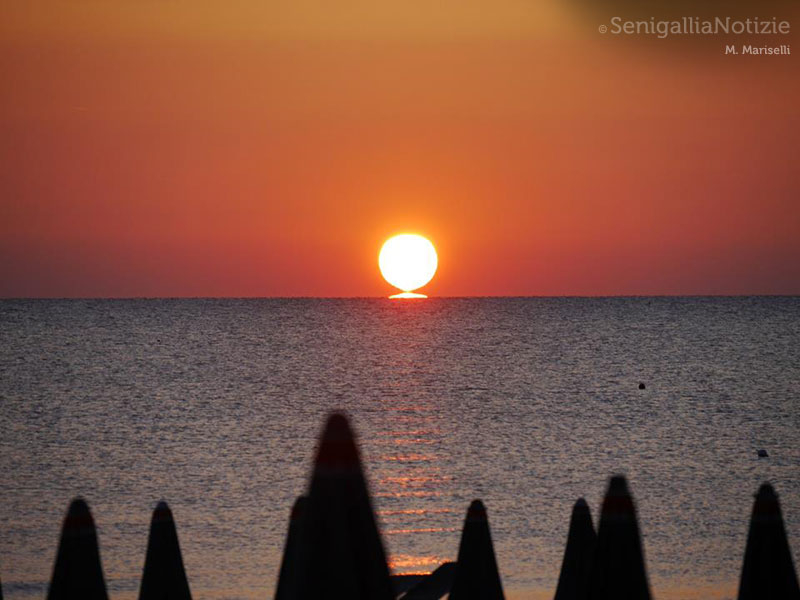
(257, 148)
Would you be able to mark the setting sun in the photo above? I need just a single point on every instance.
(408, 261)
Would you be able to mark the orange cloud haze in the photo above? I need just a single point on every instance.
(177, 149)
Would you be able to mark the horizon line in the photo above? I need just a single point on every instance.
(457, 297)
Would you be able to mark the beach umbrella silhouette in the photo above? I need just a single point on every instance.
(287, 577)
(476, 576)
(77, 573)
(618, 571)
(164, 577)
(435, 585)
(573, 582)
(342, 553)
(768, 570)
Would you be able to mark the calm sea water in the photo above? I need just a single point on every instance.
(215, 406)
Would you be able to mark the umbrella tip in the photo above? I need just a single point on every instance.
(337, 452)
(337, 429)
(766, 491)
(476, 511)
(78, 507)
(618, 500)
(162, 512)
(766, 500)
(618, 485)
(79, 517)
(581, 505)
(337, 423)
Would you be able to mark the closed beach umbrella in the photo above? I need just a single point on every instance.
(768, 570)
(435, 585)
(476, 575)
(342, 553)
(573, 582)
(164, 577)
(618, 571)
(287, 578)
(77, 573)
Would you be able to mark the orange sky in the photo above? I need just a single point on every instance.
(256, 148)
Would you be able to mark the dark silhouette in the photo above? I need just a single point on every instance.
(287, 577)
(435, 585)
(618, 571)
(164, 577)
(403, 582)
(476, 575)
(333, 547)
(77, 572)
(762, 453)
(343, 555)
(573, 582)
(642, 386)
(768, 571)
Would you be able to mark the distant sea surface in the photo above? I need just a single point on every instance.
(529, 404)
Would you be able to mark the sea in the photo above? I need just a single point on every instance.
(216, 405)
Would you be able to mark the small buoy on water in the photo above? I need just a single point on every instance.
(762, 453)
(641, 386)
